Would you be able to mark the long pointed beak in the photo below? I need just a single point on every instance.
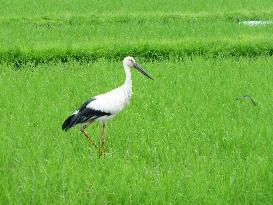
(136, 66)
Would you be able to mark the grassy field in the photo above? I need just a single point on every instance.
(82, 31)
(87, 7)
(183, 139)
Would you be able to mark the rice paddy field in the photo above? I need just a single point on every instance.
(187, 137)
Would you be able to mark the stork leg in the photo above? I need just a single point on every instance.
(89, 137)
(103, 140)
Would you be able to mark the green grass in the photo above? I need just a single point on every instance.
(41, 40)
(87, 7)
(81, 31)
(183, 139)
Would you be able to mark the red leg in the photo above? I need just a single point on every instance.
(103, 140)
(89, 138)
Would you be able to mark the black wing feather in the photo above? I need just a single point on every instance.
(84, 115)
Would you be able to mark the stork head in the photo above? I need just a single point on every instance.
(130, 62)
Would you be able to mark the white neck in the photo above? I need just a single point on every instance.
(128, 83)
(128, 80)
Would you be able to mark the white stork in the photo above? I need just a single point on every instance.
(105, 106)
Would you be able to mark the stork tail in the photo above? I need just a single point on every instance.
(68, 123)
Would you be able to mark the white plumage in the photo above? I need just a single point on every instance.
(112, 102)
(105, 106)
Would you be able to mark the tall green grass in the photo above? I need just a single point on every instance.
(87, 7)
(85, 39)
(50, 31)
(183, 139)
